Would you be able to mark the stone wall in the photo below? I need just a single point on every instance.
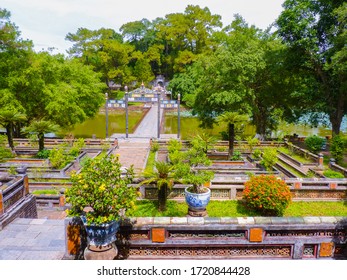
(15, 200)
(225, 238)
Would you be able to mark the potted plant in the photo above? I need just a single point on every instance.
(189, 169)
(100, 194)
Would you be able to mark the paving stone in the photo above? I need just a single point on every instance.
(229, 220)
(312, 220)
(330, 220)
(245, 220)
(262, 220)
(195, 220)
(41, 255)
(10, 254)
(179, 220)
(161, 220)
(279, 220)
(211, 220)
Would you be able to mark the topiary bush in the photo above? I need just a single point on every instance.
(267, 195)
(314, 143)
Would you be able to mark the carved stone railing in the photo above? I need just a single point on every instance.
(222, 238)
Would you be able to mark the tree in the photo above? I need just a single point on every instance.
(243, 75)
(162, 176)
(40, 127)
(232, 119)
(8, 118)
(315, 32)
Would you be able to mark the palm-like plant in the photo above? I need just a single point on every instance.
(232, 119)
(203, 140)
(162, 176)
(8, 118)
(40, 127)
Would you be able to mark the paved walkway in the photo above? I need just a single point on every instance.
(33, 239)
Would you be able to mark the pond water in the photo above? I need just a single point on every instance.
(97, 125)
(189, 126)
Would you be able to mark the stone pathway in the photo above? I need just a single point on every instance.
(33, 239)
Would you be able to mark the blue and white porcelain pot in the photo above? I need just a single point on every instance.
(101, 235)
(197, 201)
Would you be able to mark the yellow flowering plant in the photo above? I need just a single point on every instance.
(102, 188)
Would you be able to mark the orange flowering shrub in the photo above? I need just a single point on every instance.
(267, 194)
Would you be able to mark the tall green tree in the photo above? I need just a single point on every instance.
(243, 75)
(315, 32)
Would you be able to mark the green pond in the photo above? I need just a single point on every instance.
(189, 126)
(97, 125)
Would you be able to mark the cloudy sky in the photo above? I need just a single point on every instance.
(46, 22)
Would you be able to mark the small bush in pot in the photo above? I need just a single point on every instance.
(101, 187)
(267, 194)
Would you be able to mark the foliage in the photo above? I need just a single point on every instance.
(39, 128)
(58, 158)
(101, 186)
(257, 154)
(314, 143)
(332, 174)
(252, 142)
(43, 154)
(77, 146)
(236, 156)
(155, 146)
(267, 195)
(234, 121)
(269, 158)
(315, 32)
(186, 166)
(4, 152)
(203, 141)
(162, 176)
(338, 147)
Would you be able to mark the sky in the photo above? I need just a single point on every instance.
(47, 22)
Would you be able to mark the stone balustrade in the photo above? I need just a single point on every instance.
(222, 238)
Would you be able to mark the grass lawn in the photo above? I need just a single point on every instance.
(232, 208)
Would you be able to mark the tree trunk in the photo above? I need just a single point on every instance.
(41, 137)
(231, 139)
(162, 198)
(9, 133)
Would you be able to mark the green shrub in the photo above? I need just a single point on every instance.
(267, 195)
(236, 156)
(269, 158)
(58, 158)
(337, 148)
(5, 153)
(77, 147)
(314, 143)
(155, 146)
(257, 154)
(332, 174)
(43, 153)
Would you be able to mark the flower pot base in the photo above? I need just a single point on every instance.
(108, 252)
(197, 213)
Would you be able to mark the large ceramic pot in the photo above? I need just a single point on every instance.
(197, 201)
(101, 235)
